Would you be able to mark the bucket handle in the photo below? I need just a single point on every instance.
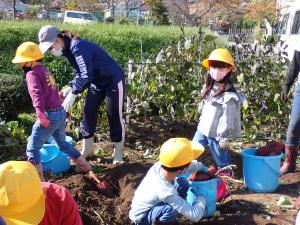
(274, 171)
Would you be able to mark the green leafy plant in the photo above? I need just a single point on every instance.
(261, 71)
(12, 141)
(14, 96)
(169, 83)
(26, 121)
(76, 116)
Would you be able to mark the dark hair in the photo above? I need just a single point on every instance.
(175, 169)
(67, 34)
(209, 81)
(218, 64)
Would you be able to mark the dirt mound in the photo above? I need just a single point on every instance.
(96, 208)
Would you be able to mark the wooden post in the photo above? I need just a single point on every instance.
(14, 9)
(129, 78)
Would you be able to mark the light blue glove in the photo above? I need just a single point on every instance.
(194, 167)
(202, 168)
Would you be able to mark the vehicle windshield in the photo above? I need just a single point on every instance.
(283, 24)
(296, 23)
(86, 16)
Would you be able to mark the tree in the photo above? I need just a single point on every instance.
(194, 11)
(160, 13)
(262, 9)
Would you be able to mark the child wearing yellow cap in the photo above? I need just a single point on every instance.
(220, 117)
(50, 114)
(161, 196)
(25, 200)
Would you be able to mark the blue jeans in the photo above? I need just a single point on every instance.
(221, 156)
(164, 212)
(40, 135)
(293, 133)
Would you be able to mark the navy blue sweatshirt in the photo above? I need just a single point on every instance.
(93, 66)
(294, 70)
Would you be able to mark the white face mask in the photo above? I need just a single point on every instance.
(218, 74)
(56, 50)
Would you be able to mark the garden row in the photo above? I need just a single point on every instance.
(123, 42)
(164, 83)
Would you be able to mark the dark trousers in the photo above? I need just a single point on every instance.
(114, 100)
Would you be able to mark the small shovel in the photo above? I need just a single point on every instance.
(103, 186)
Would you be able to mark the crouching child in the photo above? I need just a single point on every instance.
(161, 196)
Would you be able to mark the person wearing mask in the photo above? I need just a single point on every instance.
(51, 116)
(96, 71)
(220, 118)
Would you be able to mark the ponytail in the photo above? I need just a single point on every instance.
(65, 34)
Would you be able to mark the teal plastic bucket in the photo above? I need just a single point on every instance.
(261, 173)
(206, 188)
(68, 139)
(53, 159)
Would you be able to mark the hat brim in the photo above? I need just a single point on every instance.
(198, 149)
(19, 59)
(44, 46)
(205, 63)
(32, 216)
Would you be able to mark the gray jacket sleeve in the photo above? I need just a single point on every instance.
(193, 212)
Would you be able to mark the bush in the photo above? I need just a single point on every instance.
(169, 84)
(261, 73)
(26, 121)
(12, 141)
(14, 96)
(122, 42)
(32, 11)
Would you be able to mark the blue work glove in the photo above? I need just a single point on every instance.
(202, 168)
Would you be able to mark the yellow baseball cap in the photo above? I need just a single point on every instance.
(27, 52)
(178, 152)
(21, 193)
(219, 54)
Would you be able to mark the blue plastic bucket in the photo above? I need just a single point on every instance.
(261, 173)
(206, 188)
(68, 139)
(53, 159)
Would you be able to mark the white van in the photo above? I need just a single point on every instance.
(79, 17)
(289, 28)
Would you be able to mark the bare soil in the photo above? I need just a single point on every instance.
(143, 138)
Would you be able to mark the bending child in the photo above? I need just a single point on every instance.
(161, 196)
(51, 116)
(220, 118)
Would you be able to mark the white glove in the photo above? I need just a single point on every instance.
(68, 102)
(66, 90)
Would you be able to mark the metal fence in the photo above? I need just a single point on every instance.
(246, 34)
